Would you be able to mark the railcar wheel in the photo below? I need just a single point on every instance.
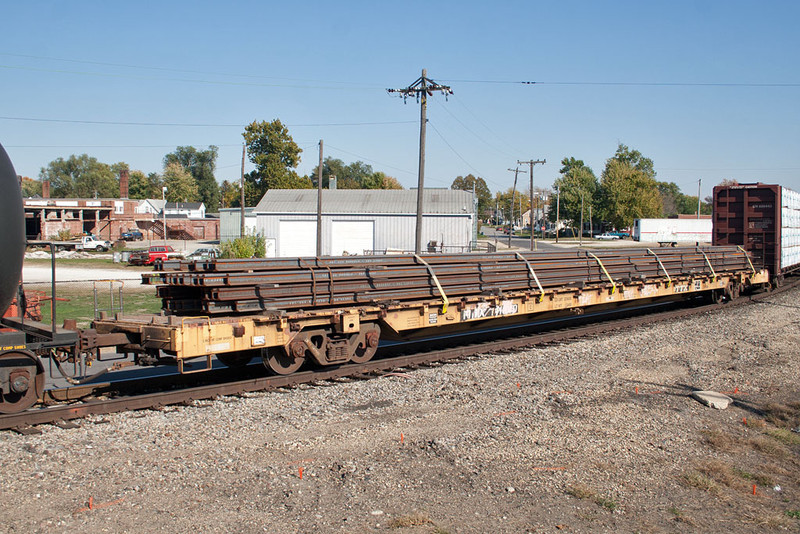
(25, 381)
(235, 359)
(368, 345)
(282, 362)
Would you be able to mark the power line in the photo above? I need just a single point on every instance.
(199, 125)
(363, 158)
(183, 80)
(467, 128)
(171, 69)
(633, 84)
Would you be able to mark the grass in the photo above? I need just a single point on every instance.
(700, 481)
(413, 520)
(784, 436)
(580, 491)
(80, 303)
(794, 514)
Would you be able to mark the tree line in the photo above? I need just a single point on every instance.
(626, 190)
(189, 173)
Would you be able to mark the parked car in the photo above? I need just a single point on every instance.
(607, 236)
(134, 234)
(621, 235)
(204, 254)
(155, 252)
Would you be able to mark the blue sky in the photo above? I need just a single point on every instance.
(131, 81)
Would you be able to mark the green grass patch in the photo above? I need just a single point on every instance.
(794, 514)
(784, 436)
(79, 304)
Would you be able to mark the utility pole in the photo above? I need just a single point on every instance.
(580, 230)
(516, 172)
(532, 163)
(319, 202)
(699, 181)
(241, 186)
(558, 209)
(421, 89)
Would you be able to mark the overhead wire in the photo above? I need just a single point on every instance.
(199, 125)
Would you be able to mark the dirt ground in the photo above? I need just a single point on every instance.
(598, 435)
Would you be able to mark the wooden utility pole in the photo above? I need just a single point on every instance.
(532, 163)
(421, 88)
(699, 181)
(516, 172)
(241, 185)
(319, 202)
(558, 209)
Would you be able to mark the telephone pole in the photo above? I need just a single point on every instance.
(421, 89)
(516, 172)
(699, 181)
(319, 202)
(241, 185)
(532, 163)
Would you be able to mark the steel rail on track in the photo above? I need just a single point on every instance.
(54, 414)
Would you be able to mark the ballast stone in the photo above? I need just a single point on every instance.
(713, 399)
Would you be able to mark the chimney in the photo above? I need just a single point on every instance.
(123, 183)
(45, 188)
(332, 182)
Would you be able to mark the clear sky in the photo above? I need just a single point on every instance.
(707, 89)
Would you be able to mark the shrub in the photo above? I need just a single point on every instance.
(249, 246)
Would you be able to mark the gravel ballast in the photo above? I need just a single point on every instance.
(594, 435)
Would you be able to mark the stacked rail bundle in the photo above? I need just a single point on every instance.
(254, 285)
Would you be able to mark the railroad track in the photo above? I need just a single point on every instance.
(80, 401)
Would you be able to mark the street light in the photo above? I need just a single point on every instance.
(164, 212)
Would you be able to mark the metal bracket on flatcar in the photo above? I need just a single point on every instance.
(603, 267)
(445, 300)
(669, 279)
(536, 278)
(708, 262)
(746, 255)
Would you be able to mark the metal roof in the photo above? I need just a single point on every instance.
(366, 201)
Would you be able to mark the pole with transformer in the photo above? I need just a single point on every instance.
(421, 89)
(532, 163)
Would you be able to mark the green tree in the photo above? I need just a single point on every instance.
(201, 164)
(671, 198)
(577, 181)
(141, 186)
(521, 201)
(80, 176)
(275, 155)
(181, 186)
(30, 187)
(628, 189)
(356, 175)
(482, 192)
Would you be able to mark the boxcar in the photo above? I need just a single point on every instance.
(763, 219)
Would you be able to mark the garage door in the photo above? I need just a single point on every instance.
(297, 238)
(353, 237)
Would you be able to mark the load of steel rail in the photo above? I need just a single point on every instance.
(253, 285)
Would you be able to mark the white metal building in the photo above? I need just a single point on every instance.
(359, 221)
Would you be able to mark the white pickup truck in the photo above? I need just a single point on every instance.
(87, 242)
